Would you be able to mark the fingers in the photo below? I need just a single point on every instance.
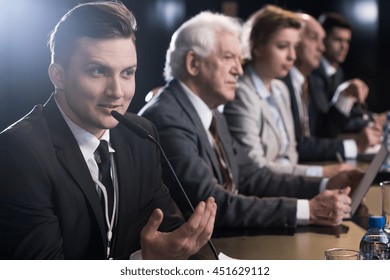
(345, 191)
(207, 224)
(342, 208)
(194, 234)
(369, 136)
(340, 180)
(358, 89)
(373, 135)
(182, 242)
(334, 169)
(201, 223)
(152, 225)
(330, 207)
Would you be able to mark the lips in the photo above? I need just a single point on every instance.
(233, 84)
(109, 106)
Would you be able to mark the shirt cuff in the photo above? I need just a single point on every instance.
(136, 256)
(314, 171)
(343, 103)
(303, 212)
(323, 184)
(350, 149)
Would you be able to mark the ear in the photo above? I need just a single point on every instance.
(258, 50)
(57, 75)
(192, 63)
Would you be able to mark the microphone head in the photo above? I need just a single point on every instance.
(131, 124)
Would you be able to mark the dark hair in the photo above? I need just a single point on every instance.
(332, 20)
(93, 20)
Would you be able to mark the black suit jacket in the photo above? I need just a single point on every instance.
(326, 119)
(49, 206)
(187, 146)
(311, 148)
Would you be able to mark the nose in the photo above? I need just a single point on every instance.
(114, 88)
(292, 55)
(345, 45)
(237, 69)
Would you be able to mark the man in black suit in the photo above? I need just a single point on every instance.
(338, 105)
(310, 148)
(53, 202)
(202, 66)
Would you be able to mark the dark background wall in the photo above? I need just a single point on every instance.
(25, 24)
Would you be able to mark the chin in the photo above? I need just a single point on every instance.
(231, 96)
(109, 124)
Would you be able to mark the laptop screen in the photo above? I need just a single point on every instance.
(369, 176)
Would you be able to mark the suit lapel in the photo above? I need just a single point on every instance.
(294, 106)
(286, 114)
(71, 158)
(265, 112)
(187, 106)
(125, 171)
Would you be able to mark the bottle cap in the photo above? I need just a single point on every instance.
(376, 221)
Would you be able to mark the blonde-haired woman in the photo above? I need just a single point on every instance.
(260, 117)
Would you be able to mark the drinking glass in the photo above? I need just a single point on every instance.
(341, 254)
(385, 200)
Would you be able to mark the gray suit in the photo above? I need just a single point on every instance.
(252, 125)
(187, 146)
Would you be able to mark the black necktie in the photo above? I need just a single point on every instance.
(225, 170)
(105, 174)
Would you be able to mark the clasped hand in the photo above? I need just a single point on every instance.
(334, 204)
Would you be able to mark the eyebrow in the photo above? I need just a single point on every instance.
(100, 64)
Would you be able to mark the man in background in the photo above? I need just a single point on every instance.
(310, 148)
(339, 106)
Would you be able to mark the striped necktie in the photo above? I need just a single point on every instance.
(223, 164)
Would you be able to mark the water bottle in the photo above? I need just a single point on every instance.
(375, 244)
(386, 143)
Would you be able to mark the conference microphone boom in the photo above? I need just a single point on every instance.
(144, 134)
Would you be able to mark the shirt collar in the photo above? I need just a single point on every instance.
(261, 90)
(204, 112)
(329, 69)
(297, 77)
(88, 143)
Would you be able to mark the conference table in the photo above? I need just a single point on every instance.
(302, 243)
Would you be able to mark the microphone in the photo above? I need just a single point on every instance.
(144, 134)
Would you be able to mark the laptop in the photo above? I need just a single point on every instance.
(361, 190)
